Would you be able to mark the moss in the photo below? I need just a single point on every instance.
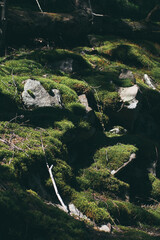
(109, 99)
(99, 179)
(80, 87)
(77, 109)
(155, 192)
(68, 95)
(31, 93)
(127, 213)
(63, 175)
(129, 53)
(42, 221)
(33, 193)
(103, 119)
(91, 210)
(48, 57)
(156, 73)
(64, 125)
(22, 67)
(130, 233)
(113, 157)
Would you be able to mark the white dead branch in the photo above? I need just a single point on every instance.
(55, 187)
(53, 181)
(39, 6)
(132, 157)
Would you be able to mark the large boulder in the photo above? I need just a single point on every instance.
(35, 96)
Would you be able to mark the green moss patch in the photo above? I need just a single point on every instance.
(115, 156)
(155, 192)
(91, 210)
(100, 180)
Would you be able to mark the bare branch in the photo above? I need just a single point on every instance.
(151, 12)
(55, 187)
(132, 157)
(39, 6)
(52, 179)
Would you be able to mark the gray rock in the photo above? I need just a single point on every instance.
(148, 81)
(127, 74)
(128, 95)
(83, 100)
(75, 212)
(65, 65)
(152, 168)
(34, 95)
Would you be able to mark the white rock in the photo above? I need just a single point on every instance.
(118, 130)
(148, 81)
(128, 95)
(39, 97)
(106, 228)
(74, 211)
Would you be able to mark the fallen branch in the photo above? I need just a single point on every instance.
(52, 179)
(55, 188)
(132, 157)
(95, 14)
(39, 6)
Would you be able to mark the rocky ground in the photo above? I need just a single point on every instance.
(87, 101)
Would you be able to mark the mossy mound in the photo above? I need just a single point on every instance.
(100, 180)
(155, 192)
(115, 156)
(42, 221)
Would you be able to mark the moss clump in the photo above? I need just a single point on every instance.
(43, 221)
(64, 125)
(63, 175)
(113, 157)
(31, 93)
(127, 213)
(155, 192)
(22, 67)
(156, 73)
(25, 153)
(109, 100)
(50, 57)
(100, 180)
(77, 109)
(103, 119)
(91, 210)
(80, 87)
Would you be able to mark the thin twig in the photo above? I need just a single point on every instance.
(39, 6)
(13, 146)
